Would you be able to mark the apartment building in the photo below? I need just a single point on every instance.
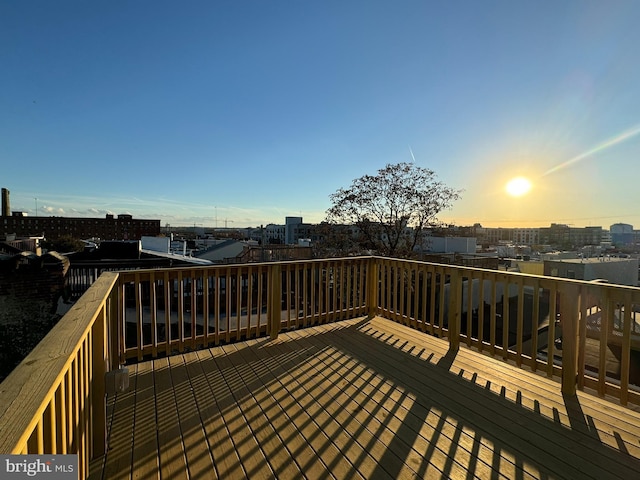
(121, 227)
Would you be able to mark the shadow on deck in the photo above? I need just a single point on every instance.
(359, 399)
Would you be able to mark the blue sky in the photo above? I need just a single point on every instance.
(250, 111)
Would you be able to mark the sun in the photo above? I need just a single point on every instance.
(518, 186)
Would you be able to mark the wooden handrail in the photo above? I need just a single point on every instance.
(55, 397)
(544, 324)
(189, 308)
(54, 400)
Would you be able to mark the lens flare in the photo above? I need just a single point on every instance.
(609, 143)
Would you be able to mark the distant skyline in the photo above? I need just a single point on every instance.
(252, 111)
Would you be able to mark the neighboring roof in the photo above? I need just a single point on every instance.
(591, 260)
(181, 258)
(222, 251)
(9, 249)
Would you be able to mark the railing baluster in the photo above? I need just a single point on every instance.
(468, 333)
(137, 289)
(153, 306)
(297, 293)
(520, 322)
(625, 361)
(432, 303)
(168, 292)
(69, 406)
(424, 297)
(49, 427)
(403, 313)
(205, 307)
(605, 321)
(492, 315)
(40, 437)
(441, 301)
(481, 312)
(292, 312)
(228, 296)
(372, 288)
(61, 416)
(99, 347)
(455, 309)
(274, 308)
(334, 294)
(322, 293)
(217, 302)
(79, 419)
(582, 335)
(250, 331)
(328, 298)
(390, 280)
(238, 302)
(194, 308)
(551, 332)
(535, 315)
(305, 296)
(505, 317)
(364, 268)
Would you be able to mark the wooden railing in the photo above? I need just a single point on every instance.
(83, 273)
(171, 310)
(565, 327)
(54, 401)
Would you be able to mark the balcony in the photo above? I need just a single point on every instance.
(343, 368)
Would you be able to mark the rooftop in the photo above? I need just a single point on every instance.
(363, 398)
(360, 367)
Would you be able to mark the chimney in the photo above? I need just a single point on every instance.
(6, 207)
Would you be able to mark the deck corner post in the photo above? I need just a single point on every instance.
(455, 308)
(569, 309)
(372, 287)
(275, 300)
(113, 335)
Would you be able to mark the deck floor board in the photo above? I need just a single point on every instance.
(359, 399)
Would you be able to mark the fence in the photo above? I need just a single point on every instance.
(54, 401)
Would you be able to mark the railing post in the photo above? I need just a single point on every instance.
(455, 308)
(113, 331)
(569, 304)
(372, 287)
(275, 307)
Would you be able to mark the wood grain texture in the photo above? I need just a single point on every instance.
(27, 391)
(369, 398)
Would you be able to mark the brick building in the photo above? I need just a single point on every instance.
(121, 227)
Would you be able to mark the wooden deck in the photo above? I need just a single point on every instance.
(359, 399)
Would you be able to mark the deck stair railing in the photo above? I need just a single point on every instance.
(54, 401)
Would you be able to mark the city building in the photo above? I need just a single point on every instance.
(621, 271)
(526, 236)
(122, 227)
(565, 236)
(622, 234)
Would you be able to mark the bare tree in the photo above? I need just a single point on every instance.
(334, 240)
(392, 209)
